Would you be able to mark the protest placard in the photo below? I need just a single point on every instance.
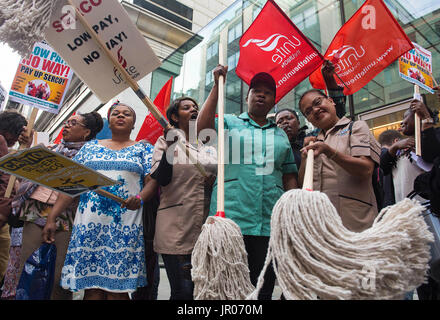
(415, 66)
(54, 171)
(42, 79)
(114, 27)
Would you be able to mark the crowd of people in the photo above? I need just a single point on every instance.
(110, 250)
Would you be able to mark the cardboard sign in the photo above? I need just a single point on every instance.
(42, 79)
(415, 66)
(54, 171)
(114, 27)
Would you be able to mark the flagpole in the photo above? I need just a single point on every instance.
(417, 125)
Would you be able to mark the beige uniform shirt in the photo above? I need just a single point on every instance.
(184, 204)
(353, 197)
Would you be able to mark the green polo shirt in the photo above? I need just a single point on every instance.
(255, 160)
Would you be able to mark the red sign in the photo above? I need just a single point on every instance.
(151, 130)
(365, 45)
(273, 44)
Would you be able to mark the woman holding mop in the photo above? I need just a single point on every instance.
(184, 197)
(345, 156)
(255, 181)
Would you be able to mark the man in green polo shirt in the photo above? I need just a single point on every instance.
(259, 168)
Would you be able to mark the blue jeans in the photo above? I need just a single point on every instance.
(178, 268)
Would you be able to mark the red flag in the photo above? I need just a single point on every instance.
(151, 130)
(60, 135)
(273, 44)
(365, 45)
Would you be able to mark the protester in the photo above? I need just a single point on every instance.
(105, 256)
(288, 119)
(429, 183)
(255, 180)
(12, 125)
(184, 197)
(345, 156)
(32, 204)
(387, 139)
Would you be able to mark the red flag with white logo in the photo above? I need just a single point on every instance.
(151, 130)
(365, 45)
(273, 44)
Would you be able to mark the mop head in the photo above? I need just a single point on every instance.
(22, 23)
(314, 255)
(219, 262)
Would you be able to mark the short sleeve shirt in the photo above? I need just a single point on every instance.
(353, 197)
(256, 158)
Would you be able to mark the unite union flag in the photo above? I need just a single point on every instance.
(273, 44)
(364, 46)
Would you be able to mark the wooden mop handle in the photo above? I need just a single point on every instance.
(417, 124)
(221, 141)
(134, 85)
(29, 128)
(308, 175)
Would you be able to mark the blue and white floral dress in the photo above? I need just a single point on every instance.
(106, 250)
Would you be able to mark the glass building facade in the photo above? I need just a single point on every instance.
(382, 99)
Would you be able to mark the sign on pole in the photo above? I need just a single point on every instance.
(54, 171)
(42, 79)
(112, 24)
(415, 66)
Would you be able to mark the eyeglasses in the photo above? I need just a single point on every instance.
(316, 103)
(72, 123)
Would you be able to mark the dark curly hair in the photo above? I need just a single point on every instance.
(174, 109)
(93, 121)
(12, 122)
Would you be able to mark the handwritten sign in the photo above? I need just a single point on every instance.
(415, 66)
(113, 26)
(54, 171)
(42, 79)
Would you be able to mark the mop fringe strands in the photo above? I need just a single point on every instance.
(220, 267)
(314, 255)
(22, 23)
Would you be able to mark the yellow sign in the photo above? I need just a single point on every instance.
(415, 66)
(41, 80)
(54, 171)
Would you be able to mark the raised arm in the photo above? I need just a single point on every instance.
(206, 117)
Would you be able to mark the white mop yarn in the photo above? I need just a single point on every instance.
(219, 262)
(22, 23)
(314, 255)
